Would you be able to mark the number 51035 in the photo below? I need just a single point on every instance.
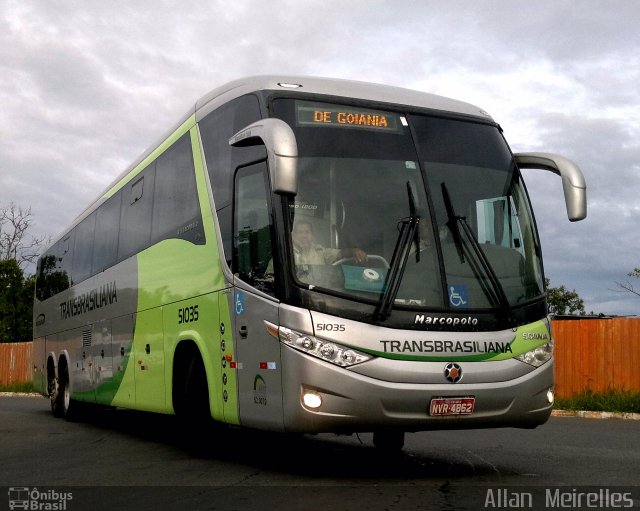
(188, 314)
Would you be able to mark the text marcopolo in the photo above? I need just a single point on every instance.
(423, 319)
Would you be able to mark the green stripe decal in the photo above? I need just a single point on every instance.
(526, 338)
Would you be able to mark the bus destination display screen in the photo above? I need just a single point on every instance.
(328, 115)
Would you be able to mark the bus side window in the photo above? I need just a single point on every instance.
(135, 218)
(216, 128)
(498, 224)
(65, 256)
(252, 239)
(105, 248)
(52, 278)
(83, 249)
(176, 209)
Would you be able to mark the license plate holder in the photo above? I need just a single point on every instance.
(447, 406)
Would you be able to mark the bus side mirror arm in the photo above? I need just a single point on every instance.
(573, 183)
(282, 151)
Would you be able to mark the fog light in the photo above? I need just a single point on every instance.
(550, 396)
(311, 400)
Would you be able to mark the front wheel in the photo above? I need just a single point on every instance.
(191, 404)
(192, 399)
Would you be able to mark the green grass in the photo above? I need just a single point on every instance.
(17, 387)
(610, 401)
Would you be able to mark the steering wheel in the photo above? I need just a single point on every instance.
(377, 258)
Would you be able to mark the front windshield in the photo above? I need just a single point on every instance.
(361, 175)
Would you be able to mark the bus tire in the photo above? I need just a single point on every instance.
(68, 405)
(389, 441)
(56, 398)
(192, 407)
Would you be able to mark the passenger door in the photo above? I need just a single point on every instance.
(257, 351)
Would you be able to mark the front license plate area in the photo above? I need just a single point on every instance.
(440, 406)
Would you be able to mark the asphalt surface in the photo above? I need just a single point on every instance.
(120, 459)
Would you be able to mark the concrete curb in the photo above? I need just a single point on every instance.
(585, 414)
(20, 394)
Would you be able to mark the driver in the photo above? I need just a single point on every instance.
(306, 252)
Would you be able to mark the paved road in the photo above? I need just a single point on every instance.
(160, 468)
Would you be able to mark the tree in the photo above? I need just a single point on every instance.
(562, 301)
(16, 302)
(18, 249)
(15, 240)
(627, 285)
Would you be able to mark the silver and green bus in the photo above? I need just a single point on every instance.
(309, 255)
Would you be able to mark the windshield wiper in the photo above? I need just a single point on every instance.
(454, 223)
(409, 233)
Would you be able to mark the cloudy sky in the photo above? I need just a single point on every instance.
(85, 87)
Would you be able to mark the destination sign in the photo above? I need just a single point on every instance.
(327, 115)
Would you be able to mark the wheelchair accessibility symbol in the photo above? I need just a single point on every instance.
(239, 303)
(458, 296)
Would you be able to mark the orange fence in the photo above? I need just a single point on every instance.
(15, 362)
(597, 355)
(590, 354)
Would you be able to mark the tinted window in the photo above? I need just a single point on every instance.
(253, 231)
(176, 210)
(105, 250)
(222, 159)
(135, 218)
(54, 270)
(225, 221)
(159, 203)
(83, 249)
(461, 143)
(65, 254)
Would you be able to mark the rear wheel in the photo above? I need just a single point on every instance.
(68, 405)
(56, 397)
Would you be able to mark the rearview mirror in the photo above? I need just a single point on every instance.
(573, 183)
(282, 151)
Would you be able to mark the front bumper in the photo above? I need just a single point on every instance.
(353, 402)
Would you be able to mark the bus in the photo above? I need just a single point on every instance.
(309, 255)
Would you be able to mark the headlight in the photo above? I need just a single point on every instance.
(324, 350)
(537, 356)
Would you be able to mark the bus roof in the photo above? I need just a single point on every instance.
(334, 87)
(301, 85)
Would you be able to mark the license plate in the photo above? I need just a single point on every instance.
(452, 406)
